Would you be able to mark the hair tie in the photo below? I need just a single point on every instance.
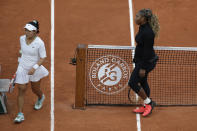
(148, 13)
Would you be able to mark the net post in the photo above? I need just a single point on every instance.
(80, 77)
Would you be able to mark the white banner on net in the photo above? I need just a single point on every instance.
(155, 47)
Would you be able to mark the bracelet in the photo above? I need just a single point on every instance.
(36, 66)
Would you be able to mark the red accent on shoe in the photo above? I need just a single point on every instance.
(148, 110)
(139, 110)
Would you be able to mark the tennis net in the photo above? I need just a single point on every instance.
(108, 69)
(172, 82)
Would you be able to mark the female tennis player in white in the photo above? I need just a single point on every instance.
(30, 68)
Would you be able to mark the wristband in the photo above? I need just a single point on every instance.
(36, 66)
(19, 58)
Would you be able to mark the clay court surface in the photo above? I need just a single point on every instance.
(102, 22)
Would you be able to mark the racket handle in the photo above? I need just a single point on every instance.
(12, 84)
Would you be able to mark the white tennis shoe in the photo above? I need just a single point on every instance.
(20, 117)
(39, 103)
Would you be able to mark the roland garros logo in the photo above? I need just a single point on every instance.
(109, 74)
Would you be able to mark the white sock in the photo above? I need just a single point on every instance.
(147, 100)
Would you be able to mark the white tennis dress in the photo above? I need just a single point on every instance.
(31, 54)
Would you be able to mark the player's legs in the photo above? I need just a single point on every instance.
(35, 79)
(145, 86)
(20, 102)
(35, 86)
(149, 104)
(135, 83)
(21, 93)
(144, 80)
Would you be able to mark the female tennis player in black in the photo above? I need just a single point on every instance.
(145, 58)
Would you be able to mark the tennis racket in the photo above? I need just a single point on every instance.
(12, 83)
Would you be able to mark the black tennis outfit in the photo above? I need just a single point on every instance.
(145, 58)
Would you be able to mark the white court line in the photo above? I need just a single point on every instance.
(131, 23)
(133, 44)
(52, 65)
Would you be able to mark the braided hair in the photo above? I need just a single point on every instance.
(152, 19)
